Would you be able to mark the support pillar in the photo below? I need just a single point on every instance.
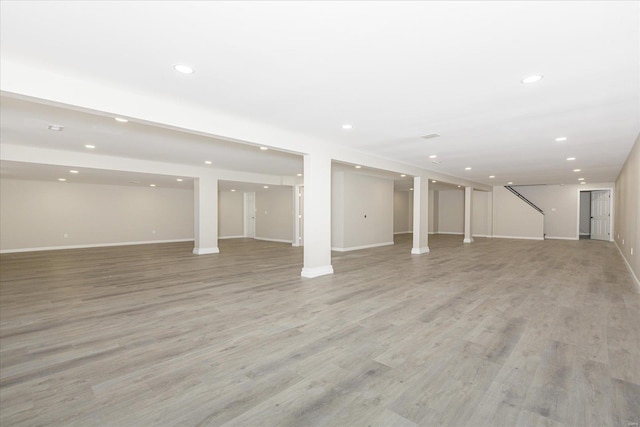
(205, 196)
(317, 215)
(420, 215)
(468, 200)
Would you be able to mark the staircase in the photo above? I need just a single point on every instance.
(527, 201)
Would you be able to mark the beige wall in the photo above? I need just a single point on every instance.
(230, 214)
(514, 218)
(274, 214)
(450, 212)
(403, 211)
(354, 197)
(627, 210)
(38, 214)
(480, 214)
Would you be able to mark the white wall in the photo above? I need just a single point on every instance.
(450, 212)
(585, 212)
(402, 212)
(627, 211)
(362, 211)
(274, 214)
(37, 214)
(231, 214)
(513, 218)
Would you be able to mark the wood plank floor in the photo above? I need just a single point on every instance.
(496, 333)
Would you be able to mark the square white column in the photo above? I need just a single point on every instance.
(205, 197)
(420, 215)
(468, 199)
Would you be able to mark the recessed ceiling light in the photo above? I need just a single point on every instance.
(576, 170)
(179, 179)
(152, 185)
(207, 162)
(532, 79)
(459, 186)
(89, 146)
(411, 189)
(184, 69)
(510, 182)
(266, 186)
(467, 168)
(580, 179)
(571, 158)
(583, 182)
(72, 171)
(121, 120)
(402, 175)
(492, 176)
(562, 138)
(264, 148)
(347, 126)
(358, 166)
(61, 179)
(298, 174)
(56, 128)
(233, 190)
(433, 156)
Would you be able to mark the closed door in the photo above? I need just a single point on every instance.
(250, 215)
(600, 214)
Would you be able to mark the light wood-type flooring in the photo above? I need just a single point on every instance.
(493, 333)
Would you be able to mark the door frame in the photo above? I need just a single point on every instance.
(611, 206)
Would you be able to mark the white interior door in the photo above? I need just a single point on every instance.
(600, 214)
(250, 215)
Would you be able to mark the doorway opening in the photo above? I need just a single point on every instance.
(594, 216)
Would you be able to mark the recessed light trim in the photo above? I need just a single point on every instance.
(264, 148)
(89, 146)
(207, 162)
(298, 174)
(577, 170)
(467, 168)
(179, 179)
(347, 126)
(492, 176)
(433, 156)
(233, 190)
(61, 179)
(435, 162)
(55, 128)
(358, 167)
(411, 189)
(152, 185)
(184, 69)
(510, 183)
(571, 159)
(265, 186)
(532, 79)
(561, 138)
(583, 182)
(580, 179)
(402, 175)
(73, 171)
(121, 120)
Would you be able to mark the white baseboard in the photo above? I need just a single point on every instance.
(585, 234)
(266, 239)
(633, 274)
(560, 238)
(95, 245)
(455, 233)
(517, 237)
(355, 248)
(403, 232)
(206, 251)
(480, 235)
(311, 272)
(419, 251)
(432, 232)
(230, 237)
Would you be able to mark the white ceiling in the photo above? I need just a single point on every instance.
(394, 70)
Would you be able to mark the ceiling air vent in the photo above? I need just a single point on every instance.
(431, 135)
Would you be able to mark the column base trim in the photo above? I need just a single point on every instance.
(419, 251)
(205, 251)
(311, 272)
(467, 240)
